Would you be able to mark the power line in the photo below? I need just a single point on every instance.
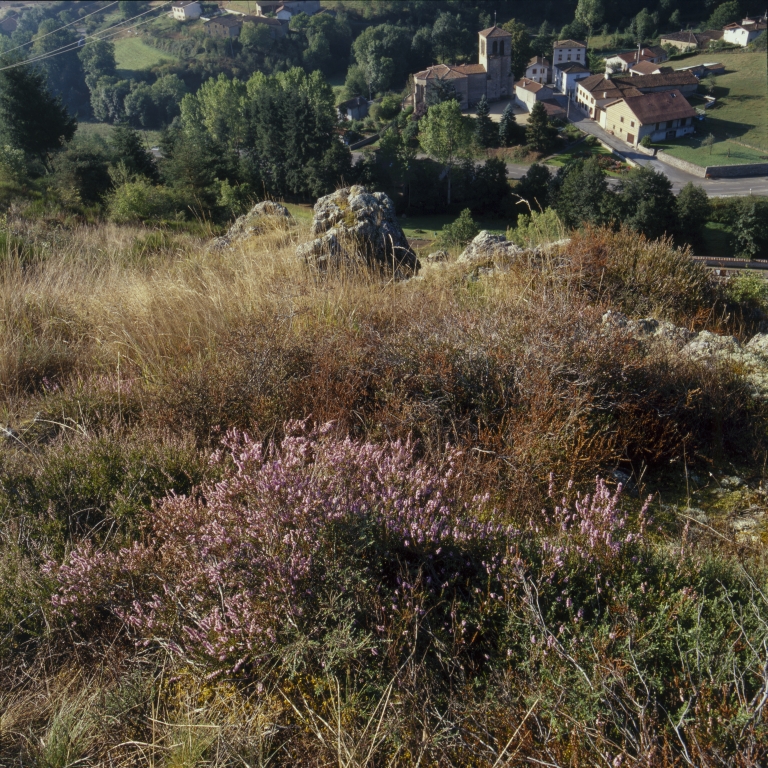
(79, 43)
(77, 21)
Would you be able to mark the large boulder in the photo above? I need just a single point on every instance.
(353, 225)
(489, 249)
(263, 217)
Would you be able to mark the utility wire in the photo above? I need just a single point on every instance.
(77, 21)
(79, 43)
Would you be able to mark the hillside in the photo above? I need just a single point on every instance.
(397, 565)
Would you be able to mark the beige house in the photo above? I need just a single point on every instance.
(664, 115)
(594, 93)
(569, 50)
(186, 10)
(528, 92)
(690, 41)
(491, 77)
(539, 70)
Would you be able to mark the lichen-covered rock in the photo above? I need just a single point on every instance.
(261, 218)
(487, 249)
(649, 328)
(758, 345)
(437, 257)
(356, 226)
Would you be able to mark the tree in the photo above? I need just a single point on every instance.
(724, 14)
(450, 38)
(131, 8)
(749, 230)
(589, 13)
(675, 20)
(108, 99)
(380, 53)
(444, 136)
(595, 63)
(534, 186)
(257, 37)
(642, 26)
(438, 91)
(510, 133)
(64, 71)
(708, 141)
(693, 211)
(521, 46)
(485, 131)
(539, 133)
(140, 106)
(98, 60)
(647, 204)
(83, 168)
(31, 119)
(128, 148)
(582, 195)
(460, 232)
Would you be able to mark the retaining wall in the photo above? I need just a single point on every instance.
(683, 165)
(715, 171)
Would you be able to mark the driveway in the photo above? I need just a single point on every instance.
(756, 185)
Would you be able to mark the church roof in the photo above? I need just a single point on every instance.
(494, 32)
(444, 72)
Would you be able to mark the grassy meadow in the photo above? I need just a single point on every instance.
(256, 513)
(132, 53)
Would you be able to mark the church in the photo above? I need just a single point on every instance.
(492, 77)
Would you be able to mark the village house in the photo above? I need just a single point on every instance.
(622, 62)
(491, 78)
(644, 68)
(743, 34)
(292, 7)
(186, 10)
(703, 70)
(528, 92)
(662, 116)
(568, 75)
(594, 93)
(684, 41)
(353, 109)
(569, 50)
(539, 70)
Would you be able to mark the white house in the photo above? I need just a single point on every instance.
(539, 70)
(569, 50)
(567, 75)
(644, 68)
(528, 92)
(743, 34)
(186, 10)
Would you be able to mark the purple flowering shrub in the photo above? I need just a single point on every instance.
(320, 533)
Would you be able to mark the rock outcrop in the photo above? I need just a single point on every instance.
(356, 226)
(750, 359)
(488, 249)
(261, 218)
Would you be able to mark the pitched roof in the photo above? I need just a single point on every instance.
(676, 79)
(631, 57)
(659, 107)
(569, 44)
(227, 20)
(494, 31)
(444, 72)
(645, 67)
(571, 67)
(470, 69)
(529, 85)
(603, 87)
(356, 101)
(262, 20)
(183, 3)
(553, 108)
(538, 60)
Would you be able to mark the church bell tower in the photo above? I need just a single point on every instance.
(496, 57)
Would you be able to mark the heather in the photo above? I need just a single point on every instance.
(254, 513)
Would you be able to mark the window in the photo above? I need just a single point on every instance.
(632, 123)
(622, 119)
(495, 47)
(501, 47)
(482, 47)
(662, 126)
(569, 57)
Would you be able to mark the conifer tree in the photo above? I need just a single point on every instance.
(538, 132)
(510, 132)
(484, 132)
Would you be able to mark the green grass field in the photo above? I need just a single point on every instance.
(132, 53)
(104, 131)
(740, 113)
(717, 241)
(426, 227)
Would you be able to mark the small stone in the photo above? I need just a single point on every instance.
(437, 256)
(489, 249)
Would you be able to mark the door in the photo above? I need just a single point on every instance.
(630, 138)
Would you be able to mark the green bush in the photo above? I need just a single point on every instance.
(140, 200)
(460, 232)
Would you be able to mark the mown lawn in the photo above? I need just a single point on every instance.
(132, 53)
(428, 227)
(740, 112)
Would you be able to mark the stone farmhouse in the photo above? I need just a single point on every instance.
(539, 70)
(491, 77)
(691, 41)
(684, 81)
(743, 34)
(622, 62)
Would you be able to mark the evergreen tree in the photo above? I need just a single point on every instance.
(539, 133)
(534, 187)
(647, 204)
(31, 119)
(693, 210)
(484, 129)
(130, 150)
(510, 133)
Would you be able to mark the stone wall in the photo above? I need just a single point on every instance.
(683, 165)
(737, 171)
